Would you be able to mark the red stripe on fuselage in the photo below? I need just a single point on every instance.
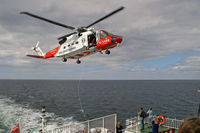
(80, 55)
(71, 57)
(87, 52)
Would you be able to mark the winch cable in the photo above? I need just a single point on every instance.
(79, 98)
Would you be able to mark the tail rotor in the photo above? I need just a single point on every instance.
(36, 46)
(37, 49)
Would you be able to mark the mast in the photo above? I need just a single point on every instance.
(199, 104)
(43, 124)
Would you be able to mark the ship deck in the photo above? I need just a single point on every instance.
(108, 124)
(148, 129)
(133, 125)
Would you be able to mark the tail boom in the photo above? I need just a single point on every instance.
(41, 55)
(36, 56)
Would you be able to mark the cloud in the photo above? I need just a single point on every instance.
(191, 63)
(151, 30)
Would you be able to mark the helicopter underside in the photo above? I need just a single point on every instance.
(80, 53)
(84, 52)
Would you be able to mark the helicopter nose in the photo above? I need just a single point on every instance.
(116, 39)
(119, 39)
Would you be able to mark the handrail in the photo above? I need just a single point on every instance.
(82, 123)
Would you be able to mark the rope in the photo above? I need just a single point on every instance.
(79, 98)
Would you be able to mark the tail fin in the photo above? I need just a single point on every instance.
(38, 50)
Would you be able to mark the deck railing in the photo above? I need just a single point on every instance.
(172, 123)
(104, 124)
(133, 124)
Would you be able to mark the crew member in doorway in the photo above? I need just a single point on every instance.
(91, 40)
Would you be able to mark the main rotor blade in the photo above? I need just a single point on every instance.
(110, 14)
(47, 20)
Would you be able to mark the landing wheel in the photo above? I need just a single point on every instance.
(64, 59)
(107, 52)
(78, 61)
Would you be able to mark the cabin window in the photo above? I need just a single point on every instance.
(103, 34)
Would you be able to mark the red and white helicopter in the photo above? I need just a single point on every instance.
(84, 41)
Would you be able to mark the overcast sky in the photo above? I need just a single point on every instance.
(161, 39)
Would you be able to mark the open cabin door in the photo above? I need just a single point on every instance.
(92, 40)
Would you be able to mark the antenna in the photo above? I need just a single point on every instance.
(198, 114)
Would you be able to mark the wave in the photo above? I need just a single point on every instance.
(11, 113)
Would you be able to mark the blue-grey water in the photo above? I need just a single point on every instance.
(22, 99)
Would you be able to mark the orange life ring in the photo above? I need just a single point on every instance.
(161, 119)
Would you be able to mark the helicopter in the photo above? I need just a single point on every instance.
(82, 42)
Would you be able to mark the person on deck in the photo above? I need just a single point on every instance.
(150, 115)
(141, 115)
(155, 125)
(119, 127)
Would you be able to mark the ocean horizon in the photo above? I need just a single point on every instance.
(23, 99)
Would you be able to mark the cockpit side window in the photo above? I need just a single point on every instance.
(103, 34)
(110, 34)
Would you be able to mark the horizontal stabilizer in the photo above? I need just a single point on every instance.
(35, 56)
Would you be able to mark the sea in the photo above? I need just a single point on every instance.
(72, 101)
